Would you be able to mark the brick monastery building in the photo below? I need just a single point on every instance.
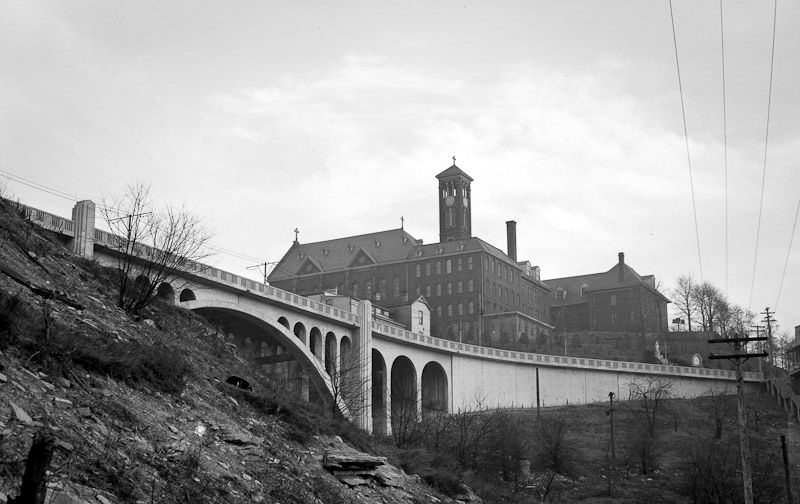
(476, 292)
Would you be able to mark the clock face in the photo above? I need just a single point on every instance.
(449, 200)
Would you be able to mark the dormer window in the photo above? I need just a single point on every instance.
(584, 289)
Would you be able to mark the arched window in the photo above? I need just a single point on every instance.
(438, 289)
(470, 286)
(460, 287)
(469, 263)
(471, 307)
(438, 267)
(417, 271)
(584, 289)
(396, 287)
(449, 288)
(461, 308)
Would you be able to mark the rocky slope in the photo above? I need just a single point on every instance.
(138, 408)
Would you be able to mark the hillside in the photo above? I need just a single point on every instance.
(139, 410)
(138, 406)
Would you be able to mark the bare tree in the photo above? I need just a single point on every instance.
(650, 395)
(710, 302)
(150, 245)
(683, 297)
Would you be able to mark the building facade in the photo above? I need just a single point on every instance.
(617, 300)
(476, 292)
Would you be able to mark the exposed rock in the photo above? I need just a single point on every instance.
(84, 412)
(62, 402)
(3, 378)
(238, 437)
(20, 414)
(388, 475)
(465, 494)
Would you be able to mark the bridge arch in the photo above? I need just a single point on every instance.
(379, 393)
(405, 407)
(166, 292)
(315, 344)
(331, 353)
(187, 295)
(434, 389)
(276, 328)
(300, 332)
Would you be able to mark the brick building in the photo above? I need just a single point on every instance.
(617, 300)
(476, 292)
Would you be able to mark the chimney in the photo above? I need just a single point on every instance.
(511, 235)
(621, 268)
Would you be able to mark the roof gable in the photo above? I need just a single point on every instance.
(362, 258)
(308, 266)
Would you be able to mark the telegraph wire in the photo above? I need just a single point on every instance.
(788, 251)
(766, 145)
(724, 139)
(686, 139)
(38, 186)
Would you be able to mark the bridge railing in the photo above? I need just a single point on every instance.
(556, 360)
(45, 219)
(259, 289)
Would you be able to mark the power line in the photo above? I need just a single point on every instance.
(766, 145)
(38, 186)
(686, 139)
(788, 251)
(725, 139)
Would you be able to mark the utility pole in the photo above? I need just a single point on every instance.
(758, 329)
(769, 320)
(610, 413)
(264, 265)
(740, 354)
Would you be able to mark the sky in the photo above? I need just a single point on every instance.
(335, 117)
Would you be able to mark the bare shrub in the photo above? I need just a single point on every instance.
(150, 245)
(554, 450)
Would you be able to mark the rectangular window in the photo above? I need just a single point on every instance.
(427, 291)
(427, 269)
(469, 263)
(449, 288)
(438, 289)
(470, 286)
(460, 287)
(438, 267)
(460, 308)
(417, 271)
(420, 318)
(460, 264)
(449, 310)
(449, 266)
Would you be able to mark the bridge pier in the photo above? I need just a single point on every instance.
(362, 344)
(83, 216)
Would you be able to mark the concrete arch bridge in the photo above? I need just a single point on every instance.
(377, 371)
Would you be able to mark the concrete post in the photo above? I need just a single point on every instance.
(83, 218)
(362, 345)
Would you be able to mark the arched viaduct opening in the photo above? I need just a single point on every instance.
(434, 389)
(404, 395)
(378, 393)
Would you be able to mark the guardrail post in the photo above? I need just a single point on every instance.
(83, 217)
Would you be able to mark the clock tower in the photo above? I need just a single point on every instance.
(455, 218)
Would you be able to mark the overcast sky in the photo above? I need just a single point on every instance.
(334, 117)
